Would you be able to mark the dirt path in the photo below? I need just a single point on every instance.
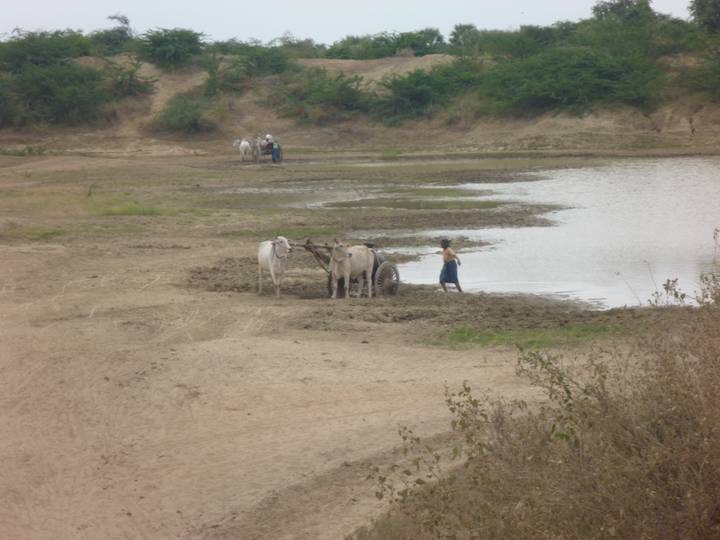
(133, 407)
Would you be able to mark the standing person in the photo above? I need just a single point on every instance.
(275, 152)
(449, 273)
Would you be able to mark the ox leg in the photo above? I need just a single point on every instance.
(369, 281)
(259, 279)
(334, 281)
(277, 287)
(347, 286)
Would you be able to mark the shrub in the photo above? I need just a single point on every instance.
(387, 44)
(319, 97)
(571, 77)
(61, 93)
(706, 78)
(170, 48)
(419, 92)
(706, 13)
(8, 104)
(625, 446)
(184, 113)
(42, 49)
(113, 40)
(123, 81)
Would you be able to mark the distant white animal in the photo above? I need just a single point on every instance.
(273, 257)
(245, 148)
(351, 262)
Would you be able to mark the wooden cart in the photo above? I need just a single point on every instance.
(385, 275)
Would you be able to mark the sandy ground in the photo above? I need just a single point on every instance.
(135, 408)
(147, 392)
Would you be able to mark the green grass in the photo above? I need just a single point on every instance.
(390, 154)
(417, 204)
(534, 338)
(132, 209)
(32, 233)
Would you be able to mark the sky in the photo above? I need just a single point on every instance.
(323, 20)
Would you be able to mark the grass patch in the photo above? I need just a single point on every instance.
(390, 155)
(417, 204)
(132, 209)
(37, 234)
(537, 338)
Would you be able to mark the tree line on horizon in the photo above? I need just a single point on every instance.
(610, 58)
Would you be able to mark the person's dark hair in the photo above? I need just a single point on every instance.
(444, 243)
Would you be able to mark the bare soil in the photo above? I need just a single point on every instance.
(148, 392)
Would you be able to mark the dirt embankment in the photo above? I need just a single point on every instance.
(686, 125)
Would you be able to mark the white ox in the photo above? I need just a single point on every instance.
(248, 149)
(351, 262)
(273, 256)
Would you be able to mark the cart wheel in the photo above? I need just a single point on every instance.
(341, 287)
(387, 279)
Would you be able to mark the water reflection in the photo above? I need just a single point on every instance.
(630, 225)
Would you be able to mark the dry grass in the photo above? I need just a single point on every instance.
(626, 446)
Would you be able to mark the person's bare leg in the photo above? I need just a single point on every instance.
(457, 286)
(444, 288)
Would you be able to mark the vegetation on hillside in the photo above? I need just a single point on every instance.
(613, 57)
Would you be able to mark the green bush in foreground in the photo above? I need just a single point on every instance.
(624, 445)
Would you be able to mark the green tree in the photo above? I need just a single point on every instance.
(170, 48)
(706, 13)
(625, 10)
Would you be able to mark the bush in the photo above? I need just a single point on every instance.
(387, 44)
(320, 97)
(706, 13)
(184, 113)
(170, 48)
(706, 78)
(62, 93)
(114, 40)
(124, 81)
(42, 49)
(571, 77)
(625, 446)
(8, 104)
(420, 92)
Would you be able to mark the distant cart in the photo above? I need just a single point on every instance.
(385, 274)
(266, 150)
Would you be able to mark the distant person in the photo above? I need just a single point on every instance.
(449, 273)
(275, 152)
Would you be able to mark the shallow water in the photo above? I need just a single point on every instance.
(627, 228)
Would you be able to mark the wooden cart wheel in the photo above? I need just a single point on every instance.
(387, 279)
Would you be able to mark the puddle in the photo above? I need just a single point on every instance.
(627, 227)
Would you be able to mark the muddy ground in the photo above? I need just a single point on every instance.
(146, 391)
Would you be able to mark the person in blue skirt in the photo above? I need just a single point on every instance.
(449, 273)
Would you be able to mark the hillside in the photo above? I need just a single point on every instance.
(687, 124)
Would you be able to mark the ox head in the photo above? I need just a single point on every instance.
(236, 143)
(282, 246)
(340, 251)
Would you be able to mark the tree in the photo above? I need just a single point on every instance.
(624, 10)
(706, 13)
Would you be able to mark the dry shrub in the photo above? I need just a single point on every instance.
(627, 445)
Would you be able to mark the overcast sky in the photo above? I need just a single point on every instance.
(323, 20)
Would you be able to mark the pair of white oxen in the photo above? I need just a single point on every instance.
(347, 262)
(250, 148)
